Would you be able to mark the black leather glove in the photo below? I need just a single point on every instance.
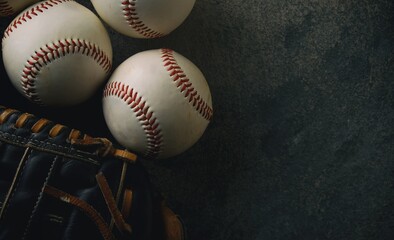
(58, 183)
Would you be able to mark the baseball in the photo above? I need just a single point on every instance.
(157, 103)
(143, 18)
(10, 7)
(57, 53)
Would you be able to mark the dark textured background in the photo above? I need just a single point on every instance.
(301, 145)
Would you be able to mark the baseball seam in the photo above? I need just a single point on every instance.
(129, 9)
(184, 84)
(142, 111)
(30, 14)
(56, 50)
(5, 8)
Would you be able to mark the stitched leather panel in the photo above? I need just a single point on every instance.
(30, 161)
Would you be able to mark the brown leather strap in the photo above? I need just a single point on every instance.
(22, 120)
(125, 155)
(106, 148)
(127, 202)
(55, 130)
(111, 204)
(39, 125)
(74, 134)
(84, 207)
(172, 224)
(6, 114)
(120, 189)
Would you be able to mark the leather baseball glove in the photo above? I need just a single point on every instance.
(58, 183)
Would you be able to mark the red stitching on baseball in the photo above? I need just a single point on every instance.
(5, 8)
(141, 110)
(132, 18)
(184, 84)
(31, 13)
(48, 53)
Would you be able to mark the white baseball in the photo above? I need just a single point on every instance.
(157, 103)
(143, 18)
(57, 53)
(10, 7)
